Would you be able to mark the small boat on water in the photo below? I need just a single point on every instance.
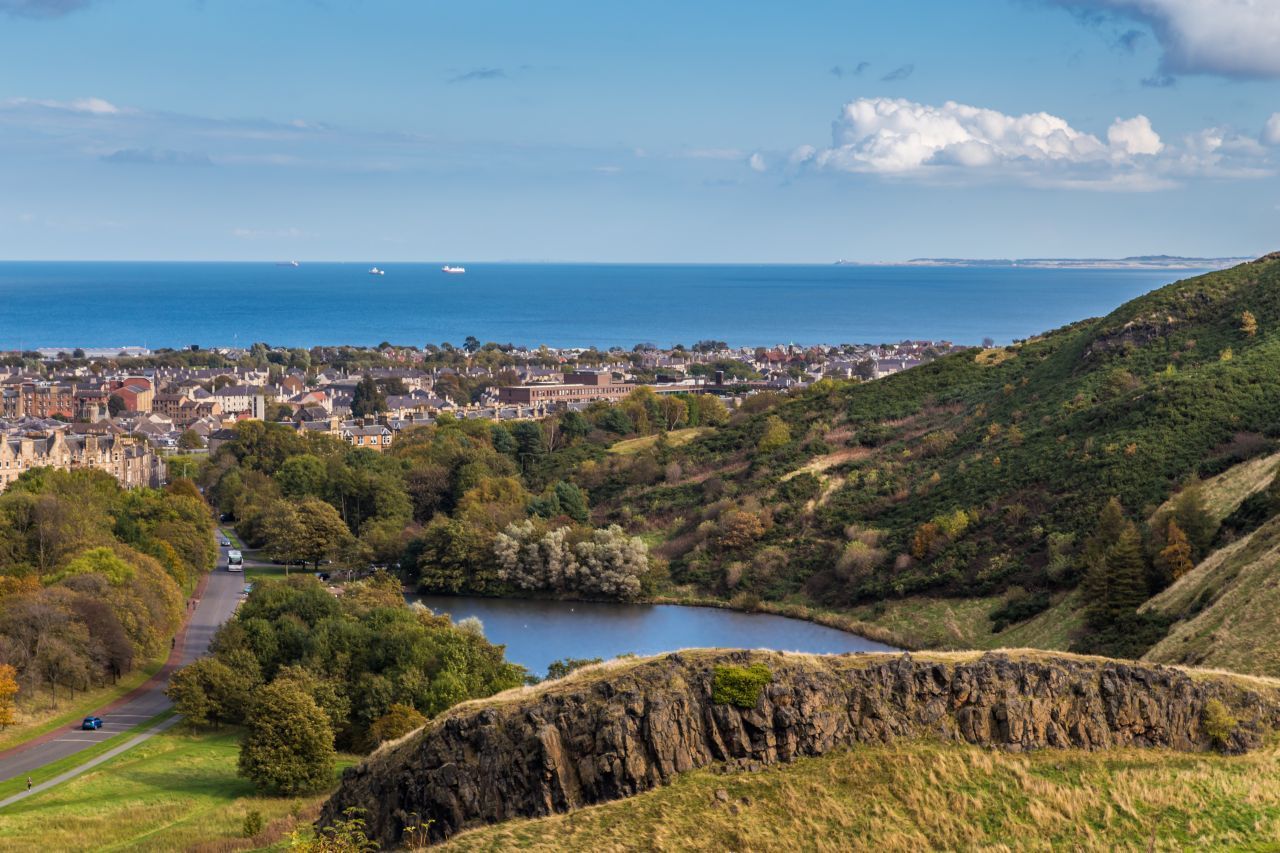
(452, 270)
(376, 271)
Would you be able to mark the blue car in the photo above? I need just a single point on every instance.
(91, 724)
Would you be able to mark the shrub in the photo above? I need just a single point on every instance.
(253, 824)
(739, 685)
(1216, 722)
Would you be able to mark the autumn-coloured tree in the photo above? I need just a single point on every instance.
(1175, 557)
(8, 695)
(1248, 323)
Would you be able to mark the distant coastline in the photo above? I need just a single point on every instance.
(1136, 262)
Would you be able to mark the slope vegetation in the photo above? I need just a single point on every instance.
(912, 797)
(981, 474)
(1227, 608)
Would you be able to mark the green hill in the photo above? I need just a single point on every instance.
(980, 475)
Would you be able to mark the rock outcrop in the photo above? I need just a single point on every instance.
(618, 730)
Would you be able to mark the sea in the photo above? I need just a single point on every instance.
(164, 304)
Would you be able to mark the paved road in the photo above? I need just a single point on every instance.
(221, 596)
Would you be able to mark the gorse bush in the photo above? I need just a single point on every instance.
(1217, 722)
(739, 685)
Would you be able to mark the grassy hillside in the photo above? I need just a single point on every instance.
(930, 796)
(978, 476)
(1227, 608)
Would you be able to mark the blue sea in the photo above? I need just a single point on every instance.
(161, 304)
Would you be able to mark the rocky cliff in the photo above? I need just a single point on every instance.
(615, 731)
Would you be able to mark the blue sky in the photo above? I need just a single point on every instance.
(658, 131)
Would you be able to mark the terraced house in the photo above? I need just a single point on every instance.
(129, 460)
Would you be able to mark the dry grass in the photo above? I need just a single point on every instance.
(676, 438)
(992, 357)
(1229, 604)
(818, 464)
(923, 796)
(1224, 493)
(964, 623)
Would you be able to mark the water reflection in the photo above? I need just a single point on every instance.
(539, 632)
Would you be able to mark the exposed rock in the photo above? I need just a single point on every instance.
(611, 733)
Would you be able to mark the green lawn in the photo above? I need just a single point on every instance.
(174, 791)
(49, 771)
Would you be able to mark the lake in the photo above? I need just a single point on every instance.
(537, 632)
(156, 305)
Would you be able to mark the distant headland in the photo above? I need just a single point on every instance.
(1135, 262)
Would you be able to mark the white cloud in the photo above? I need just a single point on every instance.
(1134, 136)
(89, 106)
(958, 142)
(1271, 132)
(1233, 38)
(895, 136)
(756, 162)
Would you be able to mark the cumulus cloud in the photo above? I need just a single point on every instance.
(1271, 131)
(1231, 38)
(757, 163)
(899, 138)
(1134, 136)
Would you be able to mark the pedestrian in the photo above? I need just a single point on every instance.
(28, 783)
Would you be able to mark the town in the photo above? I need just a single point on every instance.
(127, 410)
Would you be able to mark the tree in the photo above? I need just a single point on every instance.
(308, 533)
(776, 435)
(289, 745)
(116, 405)
(1193, 516)
(471, 344)
(1248, 323)
(302, 476)
(1115, 585)
(368, 398)
(8, 695)
(211, 692)
(397, 723)
(190, 440)
(1174, 559)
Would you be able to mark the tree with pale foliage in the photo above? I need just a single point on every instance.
(8, 695)
(776, 435)
(397, 722)
(1248, 323)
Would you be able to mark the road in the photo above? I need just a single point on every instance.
(216, 605)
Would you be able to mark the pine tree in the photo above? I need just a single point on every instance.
(1192, 514)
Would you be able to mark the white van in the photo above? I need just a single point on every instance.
(235, 562)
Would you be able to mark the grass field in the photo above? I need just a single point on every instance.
(964, 623)
(676, 438)
(913, 797)
(177, 791)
